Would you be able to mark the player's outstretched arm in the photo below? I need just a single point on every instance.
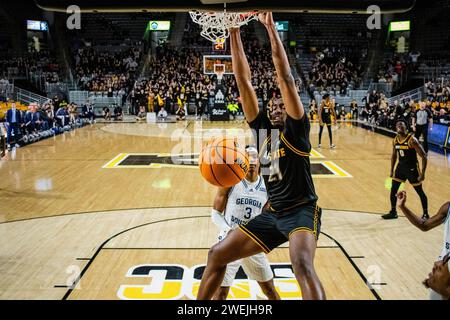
(294, 106)
(423, 225)
(419, 149)
(242, 73)
(220, 202)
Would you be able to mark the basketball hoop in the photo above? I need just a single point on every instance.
(219, 70)
(216, 25)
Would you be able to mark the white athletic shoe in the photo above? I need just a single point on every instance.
(333, 146)
(319, 146)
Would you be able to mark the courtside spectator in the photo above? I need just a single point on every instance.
(354, 109)
(72, 109)
(181, 114)
(62, 116)
(87, 112)
(312, 109)
(342, 115)
(118, 113)
(13, 121)
(443, 117)
(142, 113)
(162, 114)
(106, 114)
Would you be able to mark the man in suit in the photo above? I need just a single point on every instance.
(87, 111)
(62, 116)
(33, 120)
(14, 121)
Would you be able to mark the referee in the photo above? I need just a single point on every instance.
(421, 119)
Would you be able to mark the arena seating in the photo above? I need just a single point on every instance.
(114, 28)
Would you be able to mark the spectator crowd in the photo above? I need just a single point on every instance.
(112, 73)
(27, 124)
(335, 71)
(176, 77)
(42, 64)
(379, 112)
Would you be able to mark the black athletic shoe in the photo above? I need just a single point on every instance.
(390, 215)
(425, 216)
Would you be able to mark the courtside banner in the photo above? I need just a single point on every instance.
(219, 110)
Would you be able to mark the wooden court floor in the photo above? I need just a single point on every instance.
(101, 213)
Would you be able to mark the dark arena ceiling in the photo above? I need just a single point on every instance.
(330, 6)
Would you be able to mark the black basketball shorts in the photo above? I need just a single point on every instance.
(270, 230)
(411, 174)
(326, 120)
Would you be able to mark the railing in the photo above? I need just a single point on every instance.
(98, 99)
(435, 74)
(345, 100)
(59, 89)
(38, 79)
(415, 94)
(51, 89)
(385, 88)
(26, 97)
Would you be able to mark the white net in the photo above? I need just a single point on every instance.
(216, 25)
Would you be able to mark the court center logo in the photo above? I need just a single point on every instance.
(174, 281)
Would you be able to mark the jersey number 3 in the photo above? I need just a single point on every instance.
(248, 213)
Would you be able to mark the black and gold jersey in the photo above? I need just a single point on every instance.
(407, 155)
(285, 165)
(326, 111)
(326, 107)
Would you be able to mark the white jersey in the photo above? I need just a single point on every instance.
(446, 248)
(245, 201)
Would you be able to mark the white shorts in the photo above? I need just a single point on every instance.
(256, 268)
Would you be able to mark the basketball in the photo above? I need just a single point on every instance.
(223, 162)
